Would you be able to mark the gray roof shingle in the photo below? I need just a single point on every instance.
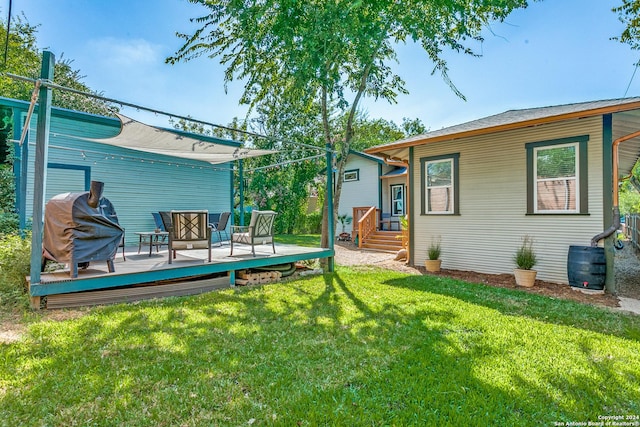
(513, 117)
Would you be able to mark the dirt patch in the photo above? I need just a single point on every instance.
(348, 254)
(14, 325)
(11, 329)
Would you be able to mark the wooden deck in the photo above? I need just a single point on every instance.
(189, 273)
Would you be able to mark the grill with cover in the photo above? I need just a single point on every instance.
(80, 228)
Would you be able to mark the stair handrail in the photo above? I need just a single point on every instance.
(367, 224)
(358, 213)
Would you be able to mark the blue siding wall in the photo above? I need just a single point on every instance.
(137, 183)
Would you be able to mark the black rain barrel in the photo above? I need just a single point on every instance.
(586, 267)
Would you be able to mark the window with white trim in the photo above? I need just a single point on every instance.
(397, 200)
(351, 175)
(440, 184)
(556, 179)
(557, 176)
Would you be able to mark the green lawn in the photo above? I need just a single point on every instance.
(362, 347)
(309, 240)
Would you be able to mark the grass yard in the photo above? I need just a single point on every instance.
(308, 240)
(368, 347)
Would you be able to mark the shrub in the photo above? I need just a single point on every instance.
(525, 258)
(312, 223)
(8, 223)
(15, 259)
(8, 219)
(433, 252)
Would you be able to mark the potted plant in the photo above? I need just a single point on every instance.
(344, 221)
(525, 258)
(433, 252)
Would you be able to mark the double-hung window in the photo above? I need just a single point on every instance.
(556, 178)
(439, 184)
(397, 200)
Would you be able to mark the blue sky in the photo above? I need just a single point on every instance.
(554, 52)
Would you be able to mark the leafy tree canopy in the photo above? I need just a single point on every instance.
(25, 59)
(330, 54)
(628, 15)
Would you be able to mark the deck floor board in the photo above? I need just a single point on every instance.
(143, 270)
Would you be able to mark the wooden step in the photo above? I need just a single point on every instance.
(381, 248)
(383, 241)
(377, 241)
(391, 235)
(379, 238)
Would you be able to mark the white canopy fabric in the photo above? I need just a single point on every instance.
(138, 136)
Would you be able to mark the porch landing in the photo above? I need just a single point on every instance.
(189, 273)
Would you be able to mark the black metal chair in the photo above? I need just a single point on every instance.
(220, 226)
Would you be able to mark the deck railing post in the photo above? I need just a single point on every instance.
(330, 217)
(40, 168)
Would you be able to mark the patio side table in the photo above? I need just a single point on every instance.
(153, 238)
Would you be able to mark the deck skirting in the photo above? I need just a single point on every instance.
(137, 293)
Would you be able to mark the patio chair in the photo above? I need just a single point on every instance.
(160, 226)
(385, 218)
(259, 231)
(188, 230)
(220, 226)
(214, 219)
(158, 220)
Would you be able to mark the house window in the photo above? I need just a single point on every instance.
(556, 176)
(397, 200)
(351, 175)
(440, 184)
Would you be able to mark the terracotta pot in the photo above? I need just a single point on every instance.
(432, 265)
(526, 278)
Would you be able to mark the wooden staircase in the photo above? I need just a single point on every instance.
(384, 241)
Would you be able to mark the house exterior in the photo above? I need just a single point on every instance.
(369, 181)
(137, 183)
(547, 173)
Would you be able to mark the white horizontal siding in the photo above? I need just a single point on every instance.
(493, 203)
(363, 192)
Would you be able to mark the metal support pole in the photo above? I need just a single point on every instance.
(241, 175)
(330, 218)
(40, 167)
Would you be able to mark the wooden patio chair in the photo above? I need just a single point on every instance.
(259, 231)
(189, 230)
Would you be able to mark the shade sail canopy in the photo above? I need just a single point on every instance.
(141, 137)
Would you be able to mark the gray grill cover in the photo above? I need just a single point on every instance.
(74, 232)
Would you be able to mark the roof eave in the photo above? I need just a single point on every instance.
(505, 127)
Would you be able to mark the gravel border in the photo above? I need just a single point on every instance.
(627, 266)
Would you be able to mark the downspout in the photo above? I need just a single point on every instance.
(616, 209)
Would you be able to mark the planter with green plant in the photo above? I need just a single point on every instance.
(525, 259)
(433, 252)
(344, 221)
